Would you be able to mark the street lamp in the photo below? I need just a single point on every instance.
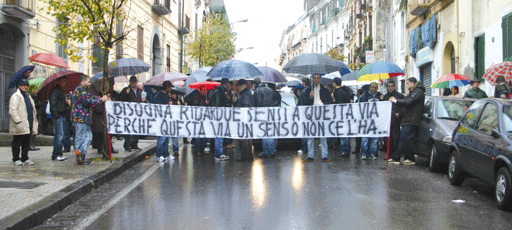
(244, 20)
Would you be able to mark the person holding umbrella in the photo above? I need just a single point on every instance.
(131, 93)
(22, 124)
(81, 113)
(58, 109)
(220, 99)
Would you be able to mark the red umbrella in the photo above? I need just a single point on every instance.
(208, 84)
(49, 59)
(72, 81)
(504, 68)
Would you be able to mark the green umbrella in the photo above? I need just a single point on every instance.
(36, 81)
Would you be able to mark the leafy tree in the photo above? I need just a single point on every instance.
(214, 42)
(335, 54)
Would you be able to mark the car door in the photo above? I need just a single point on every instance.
(462, 136)
(426, 128)
(486, 146)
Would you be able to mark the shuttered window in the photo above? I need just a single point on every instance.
(140, 43)
(507, 37)
(480, 56)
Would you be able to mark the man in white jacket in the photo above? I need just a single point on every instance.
(23, 123)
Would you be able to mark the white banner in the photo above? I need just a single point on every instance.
(338, 120)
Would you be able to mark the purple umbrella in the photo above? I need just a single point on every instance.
(271, 75)
(13, 82)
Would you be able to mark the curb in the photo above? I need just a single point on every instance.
(43, 210)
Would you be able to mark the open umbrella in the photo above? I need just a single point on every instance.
(343, 68)
(119, 79)
(36, 81)
(451, 80)
(19, 74)
(49, 59)
(504, 69)
(234, 70)
(271, 75)
(196, 76)
(159, 79)
(72, 81)
(327, 79)
(378, 71)
(311, 63)
(127, 67)
(208, 84)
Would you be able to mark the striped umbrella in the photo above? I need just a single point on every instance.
(271, 75)
(49, 59)
(234, 70)
(504, 69)
(127, 67)
(311, 63)
(451, 80)
(119, 79)
(379, 71)
(13, 82)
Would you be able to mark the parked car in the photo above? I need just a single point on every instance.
(440, 117)
(482, 147)
(287, 99)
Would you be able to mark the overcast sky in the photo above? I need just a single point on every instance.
(266, 21)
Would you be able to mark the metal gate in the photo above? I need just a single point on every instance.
(426, 79)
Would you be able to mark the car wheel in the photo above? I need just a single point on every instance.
(455, 174)
(434, 161)
(503, 189)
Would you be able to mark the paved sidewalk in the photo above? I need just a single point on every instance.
(29, 195)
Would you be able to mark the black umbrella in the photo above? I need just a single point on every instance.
(311, 63)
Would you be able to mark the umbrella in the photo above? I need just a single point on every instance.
(196, 76)
(504, 68)
(72, 81)
(352, 76)
(234, 70)
(208, 84)
(327, 79)
(451, 80)
(49, 59)
(271, 75)
(293, 81)
(343, 68)
(311, 63)
(166, 76)
(36, 81)
(378, 71)
(16, 77)
(127, 67)
(119, 79)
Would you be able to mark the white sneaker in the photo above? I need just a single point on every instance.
(170, 157)
(299, 152)
(28, 163)
(61, 158)
(207, 149)
(18, 163)
(160, 159)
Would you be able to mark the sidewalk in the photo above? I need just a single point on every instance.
(29, 195)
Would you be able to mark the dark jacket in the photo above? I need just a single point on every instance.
(264, 96)
(160, 97)
(368, 97)
(97, 118)
(343, 95)
(130, 97)
(58, 105)
(325, 96)
(196, 99)
(412, 105)
(246, 99)
(501, 88)
(219, 97)
(395, 121)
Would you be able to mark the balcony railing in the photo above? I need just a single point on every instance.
(161, 7)
(19, 8)
(418, 7)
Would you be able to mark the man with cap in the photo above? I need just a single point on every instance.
(59, 111)
(22, 124)
(475, 92)
(131, 93)
(246, 100)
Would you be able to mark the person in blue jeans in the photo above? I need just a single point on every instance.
(265, 96)
(342, 95)
(59, 110)
(368, 144)
(162, 97)
(219, 99)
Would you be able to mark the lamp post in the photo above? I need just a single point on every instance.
(243, 20)
(181, 35)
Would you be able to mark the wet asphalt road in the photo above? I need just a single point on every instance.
(283, 193)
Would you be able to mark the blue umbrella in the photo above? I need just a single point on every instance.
(234, 70)
(127, 67)
(343, 68)
(197, 76)
(13, 82)
(271, 75)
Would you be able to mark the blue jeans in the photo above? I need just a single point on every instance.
(219, 147)
(68, 128)
(405, 145)
(372, 150)
(345, 145)
(175, 145)
(162, 147)
(200, 144)
(58, 135)
(83, 138)
(268, 146)
(304, 142)
(311, 147)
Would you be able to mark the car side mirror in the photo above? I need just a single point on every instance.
(427, 116)
(495, 134)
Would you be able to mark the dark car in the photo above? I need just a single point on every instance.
(440, 117)
(287, 99)
(482, 147)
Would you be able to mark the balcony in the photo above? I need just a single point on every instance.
(359, 16)
(161, 7)
(418, 7)
(18, 9)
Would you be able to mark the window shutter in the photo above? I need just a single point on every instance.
(140, 42)
(480, 56)
(507, 40)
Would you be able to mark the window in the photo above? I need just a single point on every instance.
(471, 116)
(489, 120)
(480, 56)
(452, 109)
(427, 109)
(507, 118)
(506, 26)
(168, 57)
(140, 42)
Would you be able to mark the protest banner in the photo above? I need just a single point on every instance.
(338, 120)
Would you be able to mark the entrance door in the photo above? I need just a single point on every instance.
(7, 69)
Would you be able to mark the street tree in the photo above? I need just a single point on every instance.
(213, 42)
(335, 54)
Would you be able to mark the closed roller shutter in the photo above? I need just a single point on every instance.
(425, 78)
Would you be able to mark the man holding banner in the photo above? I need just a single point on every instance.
(220, 99)
(369, 145)
(264, 96)
(316, 94)
(246, 100)
(131, 93)
(162, 143)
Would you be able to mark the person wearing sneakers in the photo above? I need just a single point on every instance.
(246, 100)
(219, 99)
(316, 94)
(59, 110)
(368, 144)
(81, 114)
(23, 123)
(411, 114)
(162, 144)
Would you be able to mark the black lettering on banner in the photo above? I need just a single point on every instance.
(138, 109)
(226, 113)
(372, 127)
(127, 124)
(295, 116)
(363, 107)
(362, 126)
(305, 126)
(326, 115)
(128, 106)
(201, 129)
(373, 110)
(276, 129)
(308, 113)
(318, 112)
(330, 128)
(172, 128)
(261, 126)
(349, 112)
(142, 124)
(207, 114)
(236, 115)
(339, 126)
(285, 114)
(150, 124)
(295, 128)
(256, 115)
(118, 109)
(228, 130)
(218, 131)
(350, 129)
(283, 127)
(334, 112)
(240, 130)
(249, 130)
(133, 125)
(111, 120)
(249, 113)
(179, 127)
(245, 130)
(219, 113)
(197, 114)
(164, 128)
(183, 113)
(150, 112)
(158, 111)
(188, 130)
(168, 112)
(271, 114)
(321, 128)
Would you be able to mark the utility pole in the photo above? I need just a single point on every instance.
(181, 30)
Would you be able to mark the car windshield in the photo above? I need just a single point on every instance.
(507, 118)
(452, 109)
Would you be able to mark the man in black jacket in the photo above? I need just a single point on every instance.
(59, 110)
(369, 144)
(131, 93)
(395, 120)
(219, 98)
(342, 95)
(264, 96)
(316, 94)
(411, 112)
(246, 100)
